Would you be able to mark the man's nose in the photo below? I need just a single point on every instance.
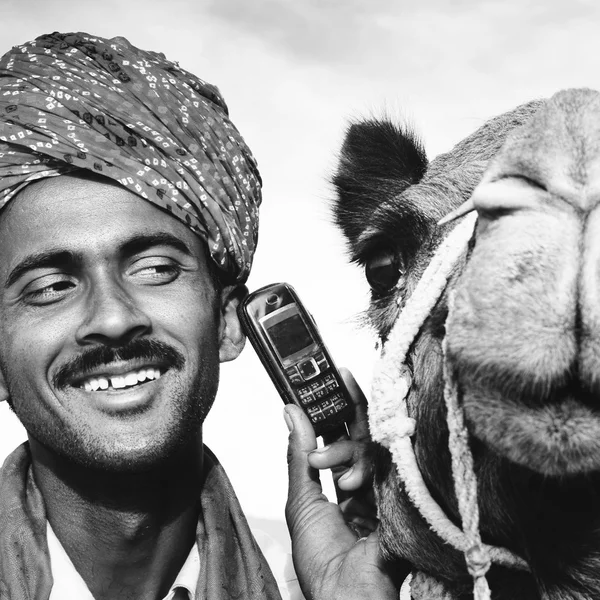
(112, 316)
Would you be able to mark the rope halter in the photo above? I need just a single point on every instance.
(391, 425)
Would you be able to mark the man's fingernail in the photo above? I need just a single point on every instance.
(288, 421)
(347, 474)
(320, 450)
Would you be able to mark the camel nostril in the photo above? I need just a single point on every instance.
(507, 195)
(528, 181)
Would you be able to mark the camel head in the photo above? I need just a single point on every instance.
(518, 324)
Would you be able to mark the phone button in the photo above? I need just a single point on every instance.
(315, 414)
(292, 371)
(304, 391)
(318, 416)
(328, 408)
(322, 361)
(332, 386)
(308, 369)
(307, 399)
(339, 403)
(321, 393)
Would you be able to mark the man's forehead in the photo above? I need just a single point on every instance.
(69, 185)
(77, 213)
(73, 194)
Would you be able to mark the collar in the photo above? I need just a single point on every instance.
(68, 583)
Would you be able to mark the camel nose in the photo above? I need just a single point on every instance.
(589, 303)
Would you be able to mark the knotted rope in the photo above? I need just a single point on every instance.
(392, 427)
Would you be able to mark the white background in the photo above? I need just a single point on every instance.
(293, 73)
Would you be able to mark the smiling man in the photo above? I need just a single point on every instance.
(128, 224)
(111, 335)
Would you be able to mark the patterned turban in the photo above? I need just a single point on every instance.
(74, 101)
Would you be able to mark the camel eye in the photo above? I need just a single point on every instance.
(383, 270)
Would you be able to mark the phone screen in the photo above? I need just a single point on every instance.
(287, 332)
(289, 336)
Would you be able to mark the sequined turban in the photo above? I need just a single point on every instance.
(75, 101)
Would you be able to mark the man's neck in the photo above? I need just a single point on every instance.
(128, 534)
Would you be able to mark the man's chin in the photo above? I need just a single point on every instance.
(130, 454)
(132, 430)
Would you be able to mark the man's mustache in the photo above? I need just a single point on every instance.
(99, 356)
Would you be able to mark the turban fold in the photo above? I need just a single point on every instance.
(76, 101)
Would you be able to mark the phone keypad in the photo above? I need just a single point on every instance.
(317, 387)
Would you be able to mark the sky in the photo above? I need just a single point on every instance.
(295, 73)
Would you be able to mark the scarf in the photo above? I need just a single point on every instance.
(232, 565)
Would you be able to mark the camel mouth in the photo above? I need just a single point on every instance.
(555, 434)
(570, 390)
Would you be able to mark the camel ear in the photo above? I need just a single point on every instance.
(379, 160)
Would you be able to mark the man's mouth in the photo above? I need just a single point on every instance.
(117, 382)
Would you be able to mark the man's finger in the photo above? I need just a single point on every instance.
(349, 462)
(359, 427)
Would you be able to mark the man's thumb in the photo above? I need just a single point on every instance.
(302, 435)
(304, 485)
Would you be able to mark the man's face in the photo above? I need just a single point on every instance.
(110, 324)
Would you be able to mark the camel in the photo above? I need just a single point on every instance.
(514, 330)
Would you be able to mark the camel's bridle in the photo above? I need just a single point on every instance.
(392, 427)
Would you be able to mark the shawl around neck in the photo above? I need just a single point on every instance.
(232, 565)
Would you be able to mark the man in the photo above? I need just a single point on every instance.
(128, 224)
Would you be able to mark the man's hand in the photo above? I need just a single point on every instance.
(331, 560)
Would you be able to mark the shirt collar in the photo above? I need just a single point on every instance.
(188, 575)
(68, 583)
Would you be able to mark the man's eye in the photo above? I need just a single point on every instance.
(47, 289)
(155, 272)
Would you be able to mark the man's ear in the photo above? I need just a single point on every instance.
(231, 337)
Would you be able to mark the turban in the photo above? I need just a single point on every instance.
(75, 101)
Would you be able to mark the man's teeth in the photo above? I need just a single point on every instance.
(121, 381)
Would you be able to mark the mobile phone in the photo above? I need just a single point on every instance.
(288, 343)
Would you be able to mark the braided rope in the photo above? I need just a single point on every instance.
(465, 484)
(392, 427)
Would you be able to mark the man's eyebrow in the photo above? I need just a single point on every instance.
(63, 258)
(143, 241)
(41, 260)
